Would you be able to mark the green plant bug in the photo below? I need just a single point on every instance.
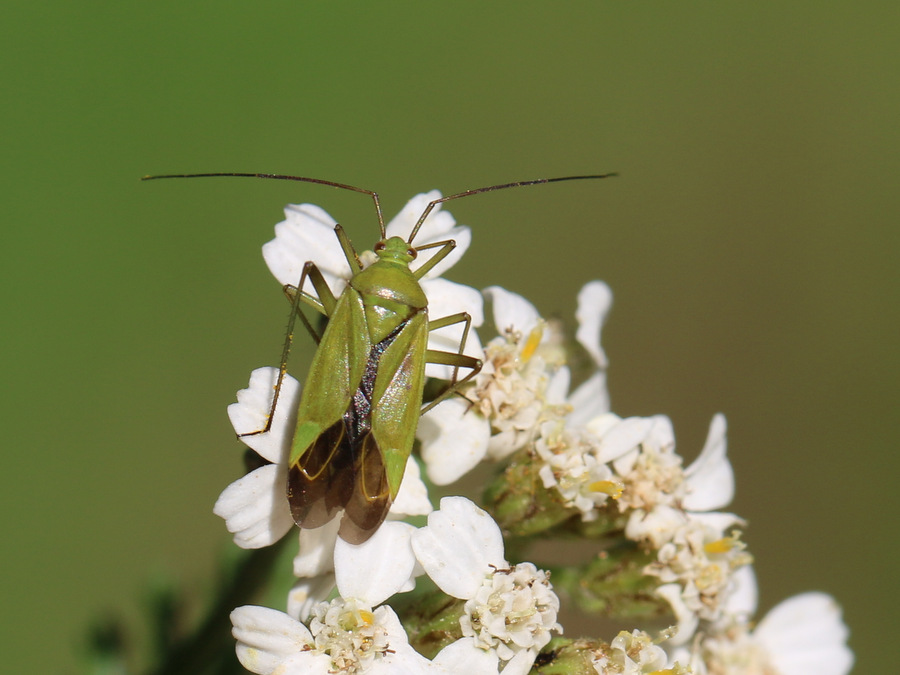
(358, 412)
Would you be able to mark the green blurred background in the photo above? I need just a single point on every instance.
(751, 243)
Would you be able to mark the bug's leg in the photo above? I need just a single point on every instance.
(349, 251)
(451, 320)
(457, 361)
(324, 303)
(445, 248)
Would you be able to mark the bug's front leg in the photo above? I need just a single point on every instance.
(324, 303)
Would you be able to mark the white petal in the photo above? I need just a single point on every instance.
(308, 592)
(255, 508)
(687, 620)
(266, 637)
(402, 659)
(805, 634)
(511, 311)
(661, 434)
(439, 226)
(602, 424)
(402, 224)
(378, 568)
(454, 439)
(251, 411)
(558, 386)
(743, 597)
(412, 499)
(594, 301)
(305, 663)
(458, 547)
(659, 525)
(316, 553)
(387, 618)
(590, 400)
(463, 656)
(446, 298)
(462, 235)
(720, 521)
(306, 234)
(625, 436)
(521, 663)
(710, 477)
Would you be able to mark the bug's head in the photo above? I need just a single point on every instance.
(395, 249)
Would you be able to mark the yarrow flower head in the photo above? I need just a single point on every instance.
(566, 466)
(510, 611)
(634, 653)
(342, 637)
(522, 385)
(801, 635)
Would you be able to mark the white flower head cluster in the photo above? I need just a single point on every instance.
(509, 611)
(671, 509)
(592, 457)
(592, 461)
(633, 653)
(342, 637)
(803, 634)
(521, 388)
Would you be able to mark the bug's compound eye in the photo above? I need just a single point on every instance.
(411, 252)
(379, 246)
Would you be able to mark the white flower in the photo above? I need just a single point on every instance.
(697, 569)
(630, 654)
(571, 466)
(255, 506)
(522, 384)
(378, 568)
(801, 635)
(307, 234)
(805, 634)
(668, 509)
(343, 636)
(509, 611)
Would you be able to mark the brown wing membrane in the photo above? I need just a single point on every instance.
(321, 482)
(335, 475)
(370, 499)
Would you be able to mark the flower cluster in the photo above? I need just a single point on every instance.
(443, 597)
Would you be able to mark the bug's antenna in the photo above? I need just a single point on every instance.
(277, 176)
(491, 188)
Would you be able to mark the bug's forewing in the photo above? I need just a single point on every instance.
(397, 397)
(381, 454)
(321, 467)
(334, 374)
